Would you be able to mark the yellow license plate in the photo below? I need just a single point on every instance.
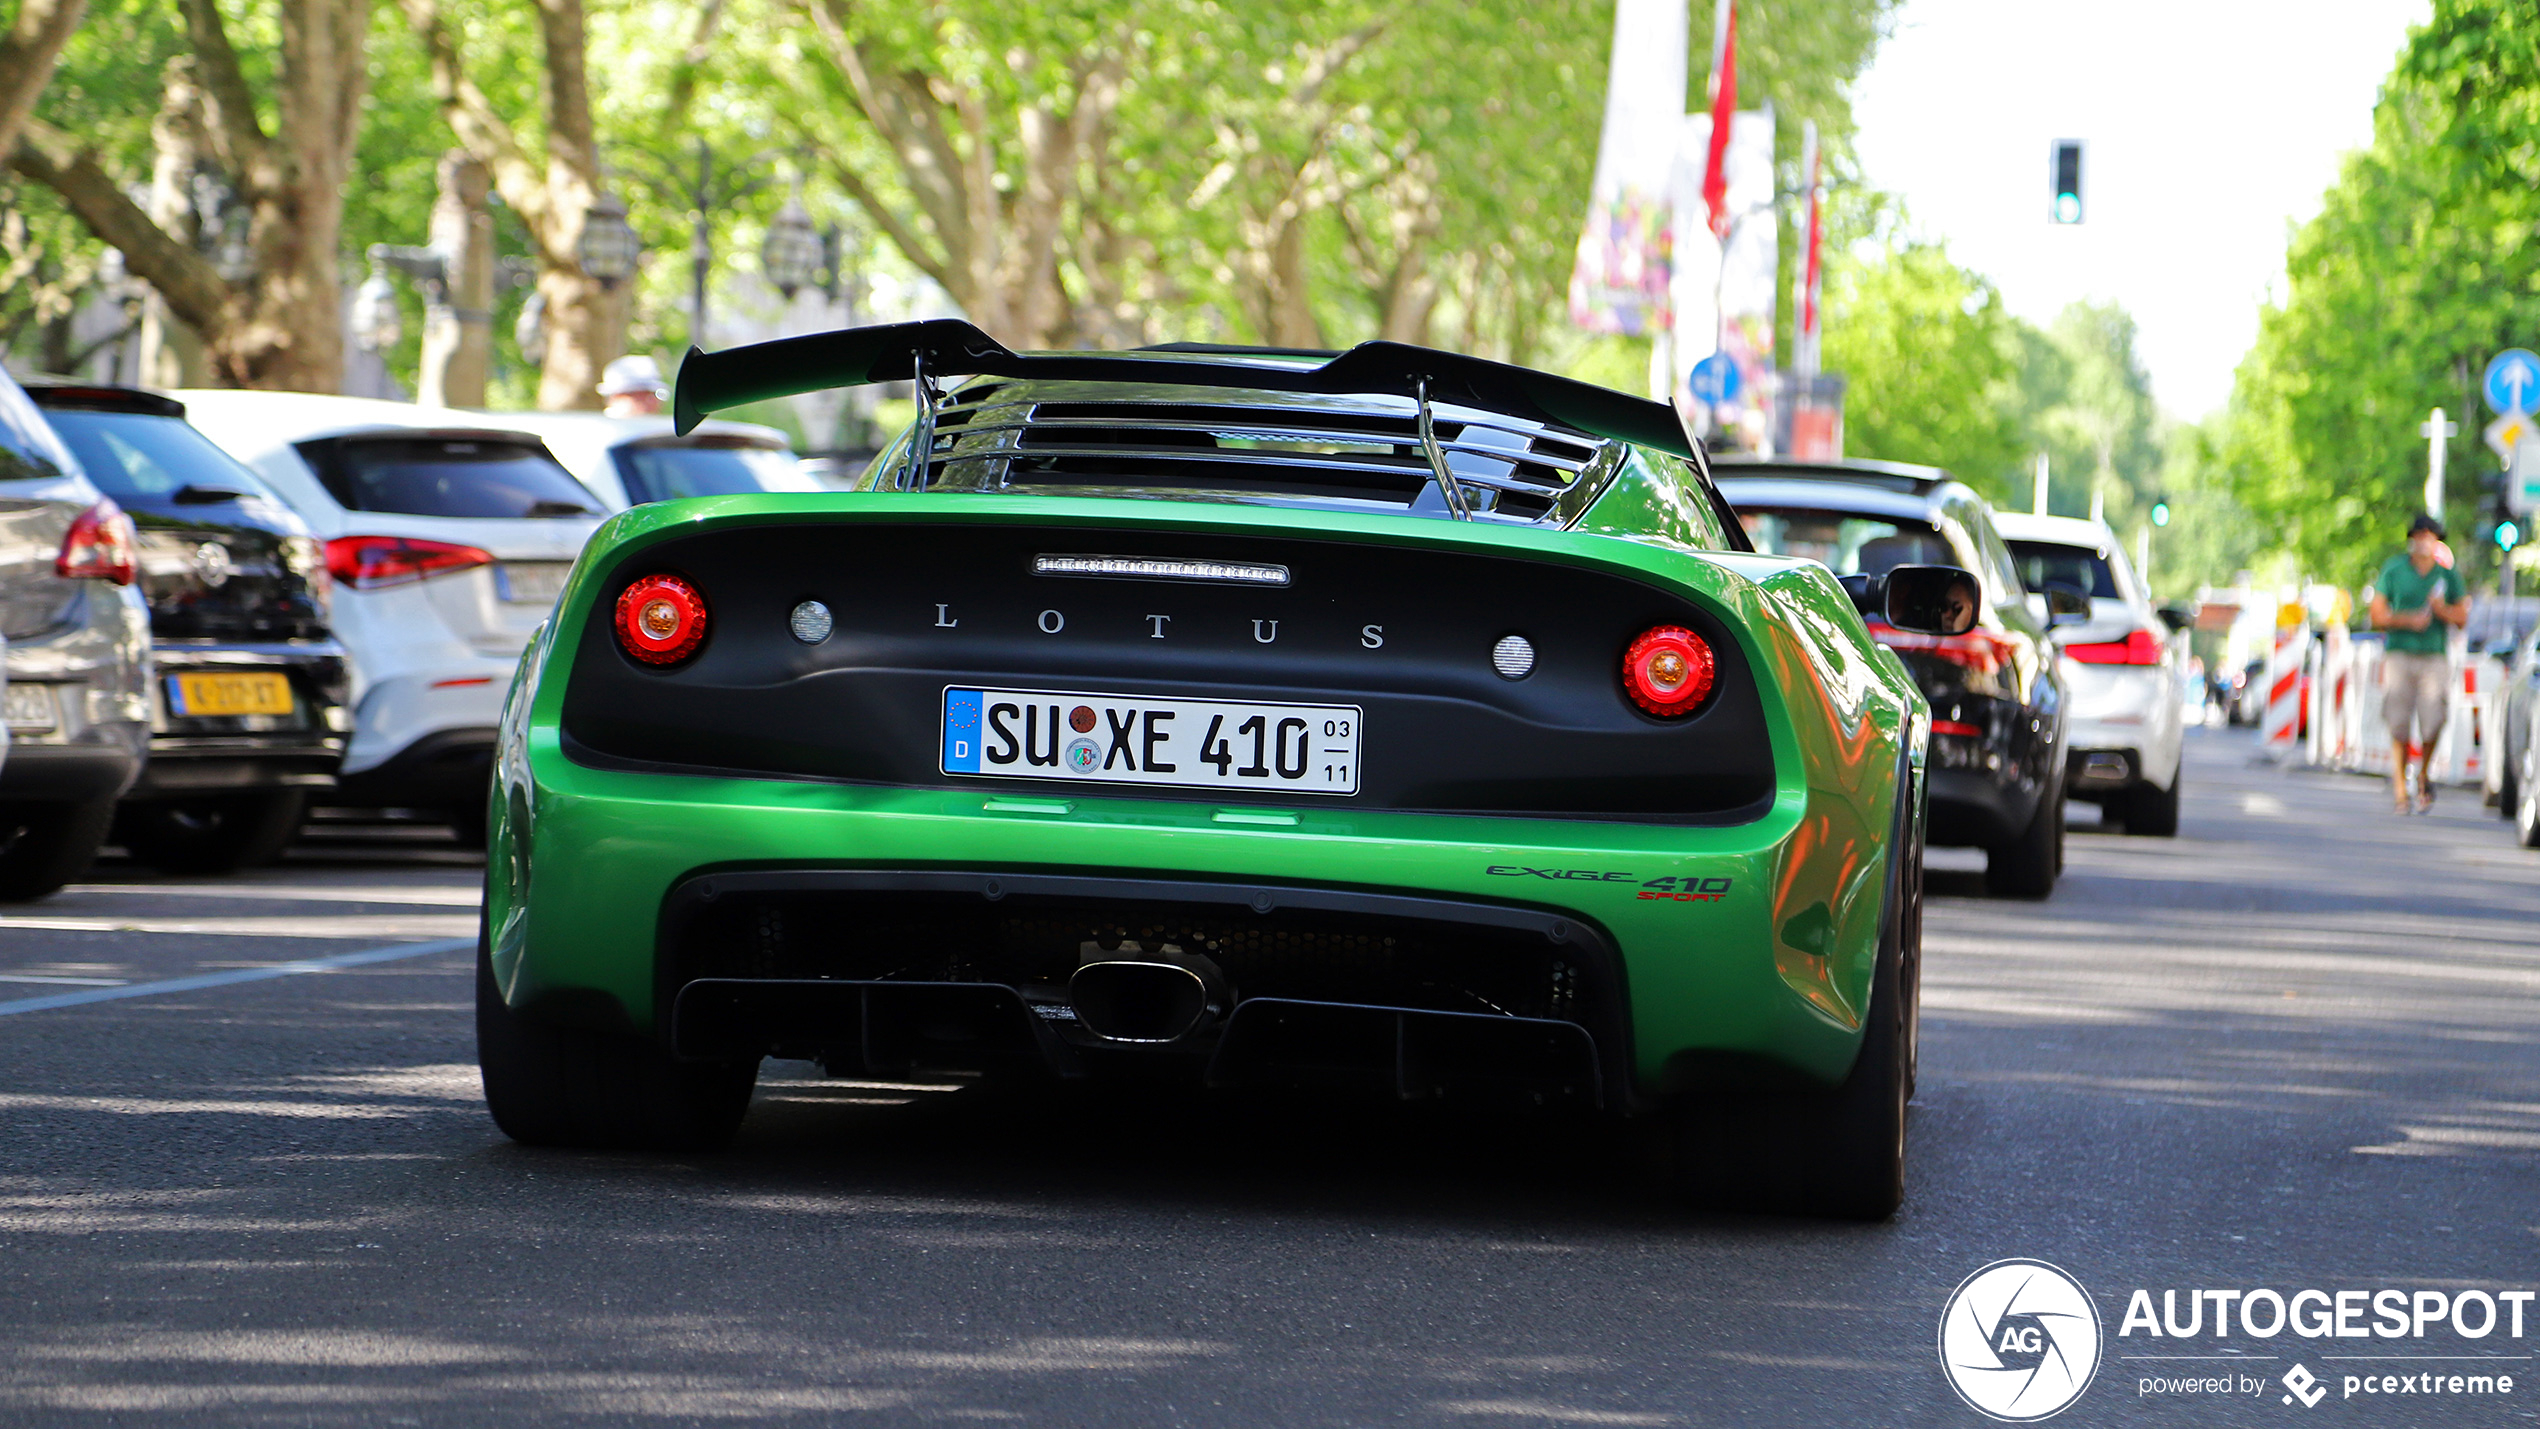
(262, 693)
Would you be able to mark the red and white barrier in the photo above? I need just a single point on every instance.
(2281, 728)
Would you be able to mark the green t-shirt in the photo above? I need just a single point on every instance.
(2404, 590)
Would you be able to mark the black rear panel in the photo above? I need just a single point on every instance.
(1406, 635)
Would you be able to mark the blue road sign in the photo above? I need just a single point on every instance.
(2513, 381)
(1714, 380)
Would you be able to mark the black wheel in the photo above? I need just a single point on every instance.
(2526, 806)
(219, 834)
(467, 825)
(566, 1086)
(1837, 1151)
(2026, 866)
(2508, 783)
(43, 846)
(2151, 810)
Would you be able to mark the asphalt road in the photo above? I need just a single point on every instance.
(2294, 1047)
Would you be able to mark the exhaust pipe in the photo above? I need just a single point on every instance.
(1137, 999)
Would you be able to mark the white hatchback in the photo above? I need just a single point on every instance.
(448, 535)
(629, 461)
(2120, 671)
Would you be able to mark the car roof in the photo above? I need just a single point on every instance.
(1888, 475)
(266, 421)
(2063, 530)
(1813, 495)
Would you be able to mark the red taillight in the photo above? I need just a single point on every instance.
(1668, 670)
(2141, 648)
(1977, 650)
(98, 547)
(370, 562)
(1957, 727)
(661, 620)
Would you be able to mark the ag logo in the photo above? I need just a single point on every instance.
(2019, 1340)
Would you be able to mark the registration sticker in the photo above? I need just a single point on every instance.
(1132, 739)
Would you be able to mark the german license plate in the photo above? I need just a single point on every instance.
(532, 582)
(1132, 739)
(259, 692)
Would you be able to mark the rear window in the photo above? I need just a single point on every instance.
(2078, 566)
(1846, 544)
(29, 451)
(146, 460)
(668, 471)
(447, 476)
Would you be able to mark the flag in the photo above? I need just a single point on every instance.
(1715, 172)
(1619, 282)
(1811, 263)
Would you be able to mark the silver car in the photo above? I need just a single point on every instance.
(78, 691)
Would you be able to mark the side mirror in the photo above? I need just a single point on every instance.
(2176, 617)
(2065, 604)
(1932, 600)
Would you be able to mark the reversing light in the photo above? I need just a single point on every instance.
(661, 620)
(98, 547)
(1668, 670)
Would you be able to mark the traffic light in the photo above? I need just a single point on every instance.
(2066, 177)
(2160, 513)
(2508, 536)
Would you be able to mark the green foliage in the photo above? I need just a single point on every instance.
(1929, 358)
(2420, 266)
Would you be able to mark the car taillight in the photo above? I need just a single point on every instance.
(661, 620)
(98, 547)
(1977, 650)
(370, 562)
(2141, 648)
(1668, 670)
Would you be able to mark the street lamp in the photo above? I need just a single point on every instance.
(795, 252)
(609, 246)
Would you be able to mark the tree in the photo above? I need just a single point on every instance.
(28, 52)
(553, 183)
(276, 325)
(2084, 400)
(1928, 359)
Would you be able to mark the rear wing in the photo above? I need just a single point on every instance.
(947, 347)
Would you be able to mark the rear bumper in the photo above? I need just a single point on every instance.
(603, 913)
(448, 768)
(40, 773)
(229, 754)
(1978, 807)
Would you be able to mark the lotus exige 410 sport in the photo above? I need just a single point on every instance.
(1390, 718)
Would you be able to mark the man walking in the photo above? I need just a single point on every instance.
(2418, 598)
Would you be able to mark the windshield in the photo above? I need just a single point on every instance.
(447, 476)
(141, 459)
(2076, 566)
(666, 472)
(1846, 544)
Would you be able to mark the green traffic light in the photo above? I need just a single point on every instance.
(2508, 535)
(2160, 513)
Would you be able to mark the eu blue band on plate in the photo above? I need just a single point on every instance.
(961, 731)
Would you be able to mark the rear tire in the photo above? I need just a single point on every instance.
(1827, 1151)
(2026, 866)
(43, 846)
(2527, 816)
(568, 1086)
(212, 835)
(2151, 810)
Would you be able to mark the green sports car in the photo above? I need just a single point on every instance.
(1386, 719)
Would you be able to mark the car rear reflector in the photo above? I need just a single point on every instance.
(98, 547)
(371, 562)
(1668, 670)
(661, 620)
(2141, 648)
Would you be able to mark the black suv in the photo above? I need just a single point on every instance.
(248, 715)
(1997, 698)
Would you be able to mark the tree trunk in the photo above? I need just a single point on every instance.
(458, 330)
(171, 353)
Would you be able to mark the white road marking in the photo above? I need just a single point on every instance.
(65, 981)
(384, 925)
(223, 979)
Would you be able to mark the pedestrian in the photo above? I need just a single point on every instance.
(633, 387)
(2418, 598)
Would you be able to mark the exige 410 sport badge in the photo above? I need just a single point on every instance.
(1676, 890)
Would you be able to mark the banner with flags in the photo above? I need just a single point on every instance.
(1620, 282)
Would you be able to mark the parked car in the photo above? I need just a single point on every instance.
(248, 716)
(447, 537)
(2518, 707)
(2121, 670)
(1394, 719)
(629, 461)
(78, 688)
(1997, 696)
